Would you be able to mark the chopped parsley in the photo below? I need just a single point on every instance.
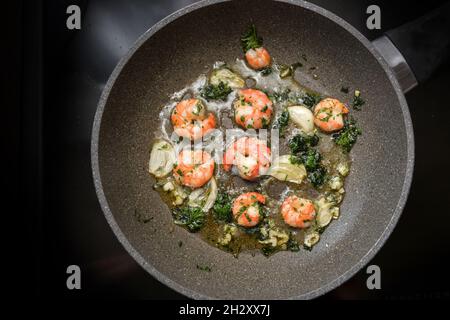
(302, 142)
(357, 102)
(204, 268)
(266, 71)
(311, 99)
(280, 96)
(222, 207)
(348, 136)
(282, 122)
(303, 152)
(216, 92)
(193, 218)
(250, 39)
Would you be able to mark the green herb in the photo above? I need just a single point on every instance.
(280, 96)
(348, 136)
(311, 99)
(266, 71)
(264, 109)
(263, 210)
(311, 159)
(328, 113)
(293, 245)
(317, 177)
(264, 123)
(222, 208)
(191, 217)
(268, 250)
(180, 173)
(204, 268)
(302, 142)
(250, 39)
(242, 210)
(282, 122)
(216, 92)
(303, 153)
(357, 102)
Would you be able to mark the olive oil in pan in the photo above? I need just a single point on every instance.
(227, 235)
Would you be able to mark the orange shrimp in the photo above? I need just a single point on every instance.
(298, 212)
(328, 115)
(194, 168)
(258, 58)
(190, 119)
(246, 209)
(253, 109)
(251, 157)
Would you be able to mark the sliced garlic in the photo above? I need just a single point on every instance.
(302, 117)
(228, 77)
(204, 197)
(283, 169)
(162, 159)
(343, 169)
(335, 183)
(324, 213)
(311, 238)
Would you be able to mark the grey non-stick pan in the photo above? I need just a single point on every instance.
(179, 48)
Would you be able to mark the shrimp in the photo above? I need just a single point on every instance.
(253, 109)
(328, 115)
(258, 58)
(251, 157)
(194, 168)
(190, 119)
(246, 209)
(298, 212)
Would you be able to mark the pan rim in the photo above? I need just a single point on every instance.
(195, 294)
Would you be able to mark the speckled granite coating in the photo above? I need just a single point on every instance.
(174, 52)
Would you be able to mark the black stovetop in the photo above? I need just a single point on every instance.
(68, 226)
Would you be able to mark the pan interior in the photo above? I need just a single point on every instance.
(174, 56)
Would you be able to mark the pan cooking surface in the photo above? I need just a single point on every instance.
(300, 147)
(173, 53)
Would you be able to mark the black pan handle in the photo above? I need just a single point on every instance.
(415, 50)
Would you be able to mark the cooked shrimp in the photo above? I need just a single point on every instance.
(253, 109)
(329, 114)
(250, 155)
(246, 209)
(194, 168)
(258, 58)
(190, 119)
(298, 212)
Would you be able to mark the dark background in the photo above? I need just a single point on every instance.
(61, 74)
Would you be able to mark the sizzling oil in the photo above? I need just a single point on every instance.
(230, 183)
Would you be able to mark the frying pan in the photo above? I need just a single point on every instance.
(173, 53)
